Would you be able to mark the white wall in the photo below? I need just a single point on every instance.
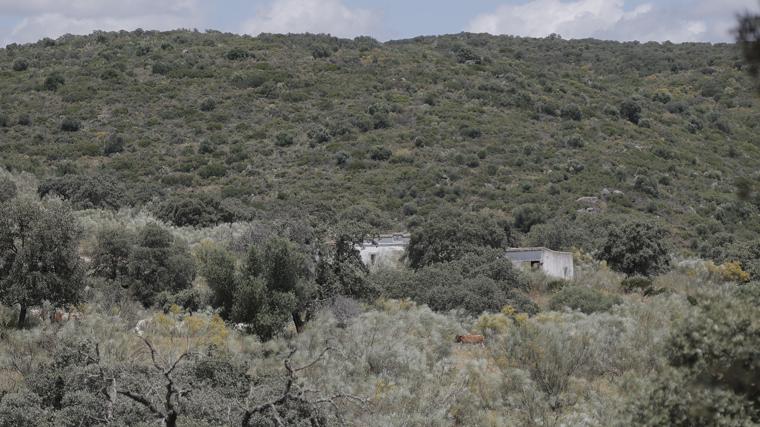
(384, 256)
(558, 264)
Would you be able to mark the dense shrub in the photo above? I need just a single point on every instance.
(630, 110)
(571, 112)
(8, 189)
(20, 64)
(636, 248)
(380, 154)
(236, 54)
(114, 144)
(587, 300)
(85, 191)
(447, 237)
(713, 355)
(208, 104)
(636, 284)
(158, 262)
(53, 81)
(70, 125)
(483, 281)
(526, 216)
(196, 209)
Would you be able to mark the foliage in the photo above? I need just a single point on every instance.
(587, 300)
(86, 192)
(39, 258)
(199, 209)
(526, 216)
(483, 281)
(110, 255)
(446, 238)
(636, 284)
(158, 262)
(636, 248)
(8, 189)
(630, 110)
(217, 266)
(479, 131)
(712, 354)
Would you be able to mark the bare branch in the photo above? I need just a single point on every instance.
(141, 400)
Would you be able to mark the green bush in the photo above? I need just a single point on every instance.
(448, 236)
(208, 104)
(53, 81)
(8, 189)
(571, 112)
(86, 192)
(526, 216)
(158, 262)
(70, 125)
(236, 54)
(636, 284)
(196, 210)
(380, 154)
(20, 64)
(636, 248)
(630, 110)
(587, 300)
(114, 144)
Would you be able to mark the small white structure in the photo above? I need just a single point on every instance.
(553, 263)
(384, 251)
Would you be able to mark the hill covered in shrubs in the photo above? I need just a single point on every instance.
(561, 138)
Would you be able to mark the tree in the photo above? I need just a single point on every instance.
(636, 248)
(110, 257)
(274, 288)
(217, 265)
(158, 262)
(447, 237)
(39, 259)
(340, 270)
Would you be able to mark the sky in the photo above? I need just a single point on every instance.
(23, 21)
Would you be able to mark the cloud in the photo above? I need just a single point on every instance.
(677, 21)
(52, 18)
(312, 16)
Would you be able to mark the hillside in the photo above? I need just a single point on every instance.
(203, 268)
(274, 126)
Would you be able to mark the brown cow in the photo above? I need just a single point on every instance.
(471, 339)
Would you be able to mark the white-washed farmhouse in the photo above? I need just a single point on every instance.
(386, 250)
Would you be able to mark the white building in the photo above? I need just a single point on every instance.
(553, 263)
(384, 251)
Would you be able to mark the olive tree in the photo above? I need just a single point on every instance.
(39, 259)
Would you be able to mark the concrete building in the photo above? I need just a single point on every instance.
(384, 251)
(553, 263)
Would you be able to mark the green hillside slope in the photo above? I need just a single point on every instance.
(387, 133)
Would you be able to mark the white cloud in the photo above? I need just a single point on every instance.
(52, 18)
(312, 16)
(702, 20)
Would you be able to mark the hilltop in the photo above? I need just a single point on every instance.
(202, 128)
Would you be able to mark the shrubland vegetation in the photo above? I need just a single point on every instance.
(179, 215)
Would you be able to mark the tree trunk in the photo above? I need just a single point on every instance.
(171, 419)
(299, 321)
(21, 316)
